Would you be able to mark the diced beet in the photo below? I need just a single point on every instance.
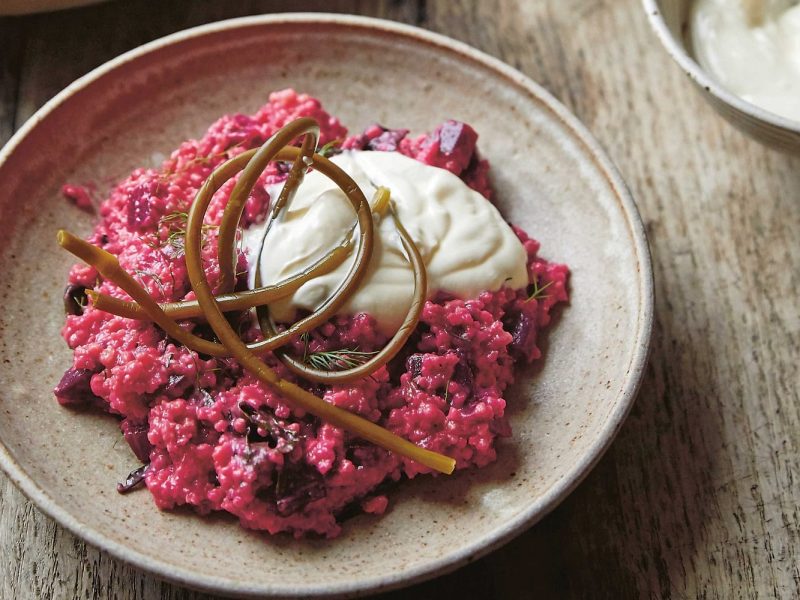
(452, 133)
(388, 140)
(134, 479)
(74, 299)
(379, 138)
(135, 433)
(75, 388)
(298, 487)
(462, 374)
(523, 334)
(451, 146)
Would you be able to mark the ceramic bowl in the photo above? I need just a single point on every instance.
(550, 177)
(670, 20)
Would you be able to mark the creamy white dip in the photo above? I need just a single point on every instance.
(761, 64)
(467, 246)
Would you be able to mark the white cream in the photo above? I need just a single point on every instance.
(467, 246)
(761, 64)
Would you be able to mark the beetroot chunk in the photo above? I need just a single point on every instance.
(301, 487)
(523, 332)
(451, 147)
(75, 388)
(134, 479)
(378, 138)
(462, 375)
(135, 433)
(388, 140)
(74, 299)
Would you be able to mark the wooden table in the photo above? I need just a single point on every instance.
(699, 494)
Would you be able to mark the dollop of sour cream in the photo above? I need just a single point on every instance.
(466, 244)
(760, 64)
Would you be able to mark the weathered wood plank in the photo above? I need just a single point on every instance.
(12, 34)
(698, 497)
(65, 45)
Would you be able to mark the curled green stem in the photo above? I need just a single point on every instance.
(108, 267)
(390, 350)
(190, 309)
(251, 362)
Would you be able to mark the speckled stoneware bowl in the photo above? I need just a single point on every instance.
(551, 177)
(670, 20)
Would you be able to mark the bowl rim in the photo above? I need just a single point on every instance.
(692, 68)
(537, 509)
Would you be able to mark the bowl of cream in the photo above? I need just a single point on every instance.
(744, 56)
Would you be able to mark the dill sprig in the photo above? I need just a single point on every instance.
(537, 292)
(154, 277)
(337, 360)
(174, 216)
(447, 387)
(176, 224)
(305, 337)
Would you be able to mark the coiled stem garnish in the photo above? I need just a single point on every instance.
(299, 367)
(211, 307)
(189, 309)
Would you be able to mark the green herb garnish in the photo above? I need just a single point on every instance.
(155, 279)
(337, 360)
(306, 339)
(447, 386)
(176, 238)
(537, 294)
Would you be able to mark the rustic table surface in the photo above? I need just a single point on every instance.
(699, 494)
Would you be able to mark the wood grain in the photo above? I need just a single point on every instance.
(698, 497)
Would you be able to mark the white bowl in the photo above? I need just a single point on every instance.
(670, 20)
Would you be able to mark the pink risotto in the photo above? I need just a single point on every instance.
(180, 411)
